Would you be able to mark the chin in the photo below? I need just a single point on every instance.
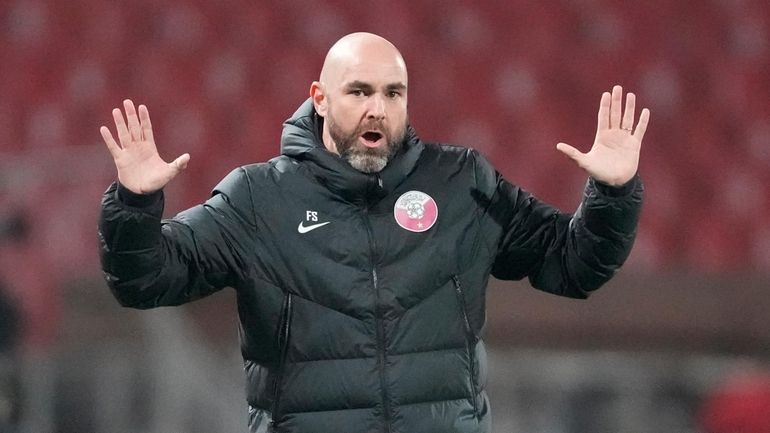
(367, 163)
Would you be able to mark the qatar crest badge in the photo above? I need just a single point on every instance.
(415, 211)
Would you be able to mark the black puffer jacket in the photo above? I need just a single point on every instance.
(360, 325)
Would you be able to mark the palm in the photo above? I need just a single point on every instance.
(614, 156)
(140, 168)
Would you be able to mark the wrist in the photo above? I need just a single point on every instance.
(130, 198)
(617, 190)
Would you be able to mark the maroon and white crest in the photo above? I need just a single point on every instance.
(415, 211)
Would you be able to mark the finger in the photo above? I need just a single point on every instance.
(133, 120)
(641, 128)
(571, 152)
(112, 146)
(604, 111)
(615, 106)
(144, 120)
(180, 163)
(628, 114)
(120, 124)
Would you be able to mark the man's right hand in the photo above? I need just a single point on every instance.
(140, 168)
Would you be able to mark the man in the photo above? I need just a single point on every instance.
(360, 257)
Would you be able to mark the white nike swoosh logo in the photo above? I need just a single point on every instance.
(303, 229)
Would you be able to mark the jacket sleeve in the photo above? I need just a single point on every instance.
(565, 254)
(149, 262)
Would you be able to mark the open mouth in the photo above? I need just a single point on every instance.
(371, 138)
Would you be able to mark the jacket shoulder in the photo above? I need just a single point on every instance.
(251, 174)
(455, 153)
(447, 156)
(280, 164)
(467, 158)
(446, 150)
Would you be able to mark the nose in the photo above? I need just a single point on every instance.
(376, 108)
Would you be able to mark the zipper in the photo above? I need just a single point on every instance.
(283, 344)
(380, 326)
(470, 339)
(381, 353)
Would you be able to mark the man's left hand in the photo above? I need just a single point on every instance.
(614, 157)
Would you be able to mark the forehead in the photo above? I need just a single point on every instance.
(379, 73)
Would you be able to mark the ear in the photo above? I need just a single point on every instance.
(319, 98)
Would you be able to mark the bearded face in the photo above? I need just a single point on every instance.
(362, 96)
(370, 145)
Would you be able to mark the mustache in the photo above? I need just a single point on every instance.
(370, 125)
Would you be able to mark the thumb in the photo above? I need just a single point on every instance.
(570, 151)
(180, 163)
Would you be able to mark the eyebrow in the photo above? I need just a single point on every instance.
(396, 86)
(366, 86)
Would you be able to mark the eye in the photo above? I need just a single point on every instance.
(393, 94)
(356, 92)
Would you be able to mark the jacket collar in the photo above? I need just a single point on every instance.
(301, 140)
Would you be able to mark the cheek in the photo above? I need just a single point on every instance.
(398, 117)
(398, 110)
(344, 116)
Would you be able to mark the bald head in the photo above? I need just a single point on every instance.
(362, 94)
(358, 50)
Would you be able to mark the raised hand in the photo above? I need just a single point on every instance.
(140, 168)
(614, 157)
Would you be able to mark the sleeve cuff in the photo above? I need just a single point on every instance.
(133, 199)
(617, 191)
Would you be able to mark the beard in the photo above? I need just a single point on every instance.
(362, 158)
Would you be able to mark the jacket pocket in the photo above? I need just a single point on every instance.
(282, 342)
(470, 342)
